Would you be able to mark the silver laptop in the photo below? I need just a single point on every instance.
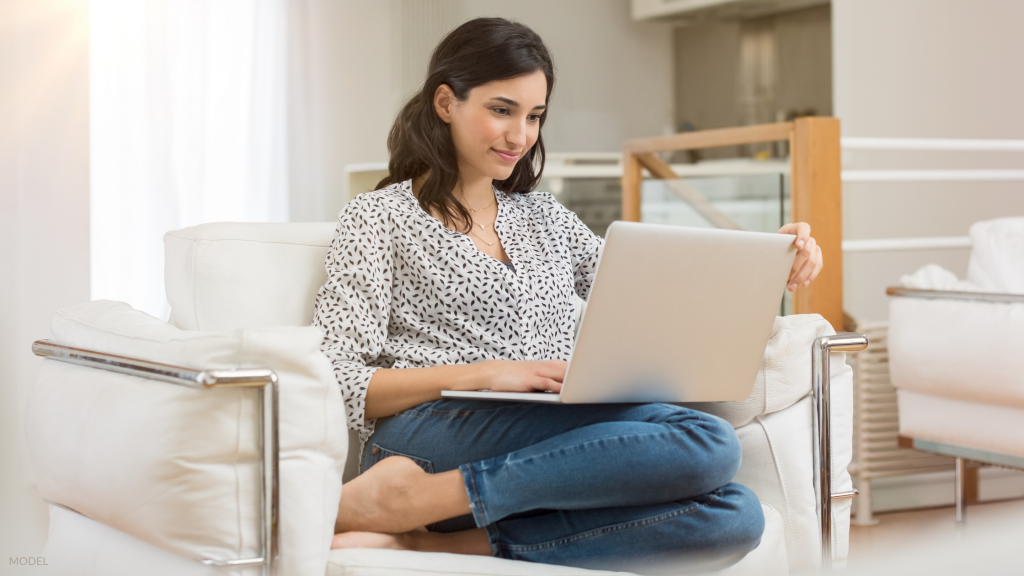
(675, 315)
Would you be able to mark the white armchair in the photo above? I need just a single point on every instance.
(955, 355)
(146, 477)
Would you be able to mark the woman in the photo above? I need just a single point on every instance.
(453, 275)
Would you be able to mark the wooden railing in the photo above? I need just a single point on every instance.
(816, 192)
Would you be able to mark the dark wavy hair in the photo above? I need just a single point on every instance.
(480, 51)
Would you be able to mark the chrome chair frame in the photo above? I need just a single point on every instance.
(820, 388)
(264, 379)
(961, 454)
(268, 441)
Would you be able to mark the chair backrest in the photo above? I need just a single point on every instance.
(997, 255)
(233, 275)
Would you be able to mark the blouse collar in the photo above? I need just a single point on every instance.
(501, 198)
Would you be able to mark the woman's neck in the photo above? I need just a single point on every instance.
(474, 193)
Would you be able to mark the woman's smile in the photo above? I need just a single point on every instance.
(507, 155)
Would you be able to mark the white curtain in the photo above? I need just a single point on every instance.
(188, 124)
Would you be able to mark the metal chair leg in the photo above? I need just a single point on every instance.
(961, 492)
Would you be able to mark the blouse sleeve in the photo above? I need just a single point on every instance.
(584, 248)
(353, 304)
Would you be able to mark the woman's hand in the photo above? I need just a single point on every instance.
(808, 257)
(524, 375)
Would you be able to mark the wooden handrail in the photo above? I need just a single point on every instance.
(815, 183)
(711, 138)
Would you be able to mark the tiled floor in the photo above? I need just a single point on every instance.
(932, 532)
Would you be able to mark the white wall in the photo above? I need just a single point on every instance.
(342, 98)
(614, 77)
(44, 222)
(365, 57)
(934, 69)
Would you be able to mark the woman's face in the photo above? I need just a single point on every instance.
(495, 125)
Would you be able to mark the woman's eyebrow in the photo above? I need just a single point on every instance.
(515, 104)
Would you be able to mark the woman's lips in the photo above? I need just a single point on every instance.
(507, 156)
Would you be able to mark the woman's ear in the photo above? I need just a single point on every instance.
(444, 101)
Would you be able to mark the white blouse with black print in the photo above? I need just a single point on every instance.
(404, 291)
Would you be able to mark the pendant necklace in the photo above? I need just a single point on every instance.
(482, 226)
(481, 239)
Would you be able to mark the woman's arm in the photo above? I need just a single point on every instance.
(393, 390)
(584, 246)
(352, 307)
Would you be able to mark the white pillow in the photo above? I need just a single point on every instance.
(178, 467)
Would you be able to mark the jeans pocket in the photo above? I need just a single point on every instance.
(378, 453)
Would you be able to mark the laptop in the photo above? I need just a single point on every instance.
(675, 314)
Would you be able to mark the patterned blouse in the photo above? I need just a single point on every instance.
(404, 291)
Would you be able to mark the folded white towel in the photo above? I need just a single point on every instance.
(935, 277)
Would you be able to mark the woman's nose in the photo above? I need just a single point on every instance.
(516, 134)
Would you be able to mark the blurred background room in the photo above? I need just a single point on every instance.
(123, 119)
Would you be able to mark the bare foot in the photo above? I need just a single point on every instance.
(468, 542)
(368, 540)
(397, 496)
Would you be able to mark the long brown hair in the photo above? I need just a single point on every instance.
(480, 51)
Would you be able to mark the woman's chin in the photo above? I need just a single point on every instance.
(503, 174)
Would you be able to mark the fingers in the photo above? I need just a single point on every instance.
(802, 230)
(820, 264)
(547, 384)
(554, 369)
(808, 271)
(803, 256)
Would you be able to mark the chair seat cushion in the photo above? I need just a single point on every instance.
(974, 425)
(768, 559)
(84, 547)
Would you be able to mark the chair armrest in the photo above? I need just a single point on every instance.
(899, 291)
(205, 379)
(178, 466)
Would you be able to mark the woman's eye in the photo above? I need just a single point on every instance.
(534, 117)
(501, 111)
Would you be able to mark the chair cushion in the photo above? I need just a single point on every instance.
(225, 276)
(985, 427)
(79, 546)
(84, 547)
(178, 467)
(768, 559)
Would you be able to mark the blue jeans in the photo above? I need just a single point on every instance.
(597, 485)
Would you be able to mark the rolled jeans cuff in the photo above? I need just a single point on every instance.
(477, 494)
